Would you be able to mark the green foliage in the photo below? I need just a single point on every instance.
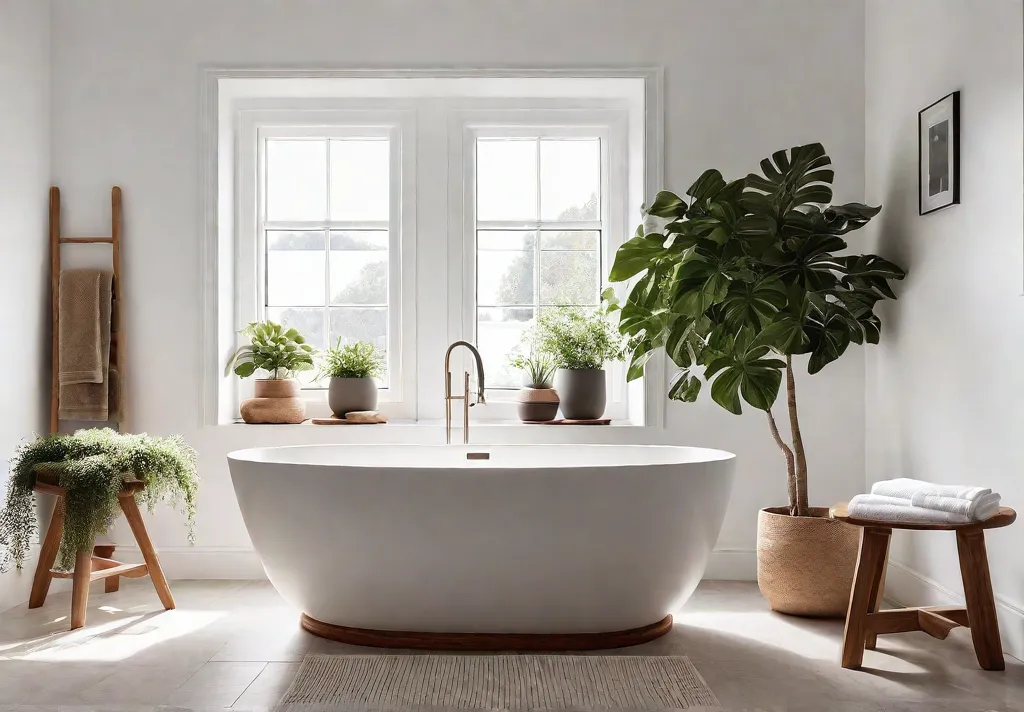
(538, 367)
(747, 272)
(91, 466)
(358, 360)
(577, 339)
(272, 348)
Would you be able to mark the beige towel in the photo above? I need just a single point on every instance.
(84, 310)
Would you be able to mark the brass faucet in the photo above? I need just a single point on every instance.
(466, 404)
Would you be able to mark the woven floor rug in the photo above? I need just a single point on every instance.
(497, 682)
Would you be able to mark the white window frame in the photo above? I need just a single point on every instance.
(433, 280)
(250, 261)
(610, 126)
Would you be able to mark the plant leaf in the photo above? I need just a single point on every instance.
(667, 205)
(634, 256)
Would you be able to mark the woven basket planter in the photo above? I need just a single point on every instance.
(805, 565)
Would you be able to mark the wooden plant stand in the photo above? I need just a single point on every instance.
(95, 565)
(865, 622)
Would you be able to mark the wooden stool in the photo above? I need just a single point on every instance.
(95, 565)
(864, 621)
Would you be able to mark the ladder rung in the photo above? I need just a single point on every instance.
(87, 239)
(126, 570)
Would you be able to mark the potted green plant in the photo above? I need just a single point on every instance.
(352, 370)
(279, 352)
(91, 466)
(580, 342)
(538, 401)
(740, 279)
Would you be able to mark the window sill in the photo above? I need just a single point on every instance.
(405, 423)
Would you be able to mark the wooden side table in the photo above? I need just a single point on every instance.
(864, 620)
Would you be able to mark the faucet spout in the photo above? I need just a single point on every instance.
(480, 390)
(466, 404)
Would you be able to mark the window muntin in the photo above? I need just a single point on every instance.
(539, 227)
(326, 230)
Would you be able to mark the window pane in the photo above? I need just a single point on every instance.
(570, 240)
(352, 324)
(295, 268)
(308, 322)
(570, 179)
(359, 267)
(498, 332)
(506, 181)
(568, 278)
(296, 179)
(360, 183)
(505, 240)
(504, 277)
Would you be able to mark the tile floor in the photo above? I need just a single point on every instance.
(237, 644)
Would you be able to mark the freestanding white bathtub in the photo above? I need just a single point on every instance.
(538, 546)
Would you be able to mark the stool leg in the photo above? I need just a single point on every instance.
(111, 584)
(871, 639)
(47, 555)
(156, 574)
(80, 588)
(874, 542)
(981, 605)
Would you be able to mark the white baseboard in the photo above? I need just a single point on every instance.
(221, 562)
(732, 565)
(907, 587)
(202, 562)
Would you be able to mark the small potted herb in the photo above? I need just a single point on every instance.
(279, 352)
(352, 369)
(580, 342)
(538, 401)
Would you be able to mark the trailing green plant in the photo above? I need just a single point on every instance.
(577, 339)
(745, 276)
(358, 360)
(271, 348)
(91, 466)
(538, 367)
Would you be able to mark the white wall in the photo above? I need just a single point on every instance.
(24, 286)
(743, 78)
(944, 389)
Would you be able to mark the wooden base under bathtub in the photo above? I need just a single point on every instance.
(487, 642)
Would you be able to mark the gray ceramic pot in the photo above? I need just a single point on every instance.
(582, 393)
(345, 395)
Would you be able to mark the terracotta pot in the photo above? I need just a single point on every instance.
(805, 565)
(276, 388)
(346, 395)
(583, 393)
(537, 404)
(276, 401)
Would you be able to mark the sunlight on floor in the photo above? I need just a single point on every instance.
(110, 641)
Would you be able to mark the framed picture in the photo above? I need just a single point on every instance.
(939, 154)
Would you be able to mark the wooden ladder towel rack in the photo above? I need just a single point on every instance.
(96, 564)
(56, 240)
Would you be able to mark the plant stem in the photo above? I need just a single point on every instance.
(790, 466)
(802, 508)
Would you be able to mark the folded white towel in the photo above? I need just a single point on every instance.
(899, 510)
(902, 487)
(976, 509)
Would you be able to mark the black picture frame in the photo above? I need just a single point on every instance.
(938, 127)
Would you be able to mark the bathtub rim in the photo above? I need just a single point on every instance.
(715, 456)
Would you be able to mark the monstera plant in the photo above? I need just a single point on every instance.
(736, 279)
